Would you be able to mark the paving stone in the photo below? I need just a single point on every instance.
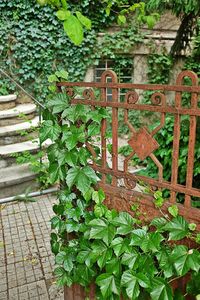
(28, 263)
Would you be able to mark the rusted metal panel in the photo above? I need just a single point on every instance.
(143, 141)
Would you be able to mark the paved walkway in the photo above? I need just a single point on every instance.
(26, 261)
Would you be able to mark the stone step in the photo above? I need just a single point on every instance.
(15, 180)
(18, 114)
(11, 134)
(7, 102)
(7, 152)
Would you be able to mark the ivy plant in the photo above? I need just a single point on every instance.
(116, 251)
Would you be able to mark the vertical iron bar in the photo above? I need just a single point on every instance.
(176, 142)
(191, 150)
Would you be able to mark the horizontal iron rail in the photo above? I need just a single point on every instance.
(153, 182)
(154, 108)
(153, 87)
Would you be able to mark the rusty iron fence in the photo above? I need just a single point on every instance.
(165, 100)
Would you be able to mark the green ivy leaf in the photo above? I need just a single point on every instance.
(124, 222)
(55, 222)
(100, 229)
(137, 236)
(120, 246)
(60, 257)
(98, 196)
(81, 177)
(192, 226)
(165, 261)
(152, 242)
(161, 290)
(185, 259)
(59, 103)
(113, 266)
(159, 223)
(53, 78)
(68, 263)
(63, 14)
(121, 19)
(173, 210)
(132, 281)
(62, 74)
(131, 259)
(84, 20)
(64, 280)
(71, 137)
(108, 284)
(178, 228)
(49, 130)
(74, 29)
(93, 129)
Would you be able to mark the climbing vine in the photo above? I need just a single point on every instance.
(120, 253)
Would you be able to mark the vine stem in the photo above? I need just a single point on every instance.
(174, 279)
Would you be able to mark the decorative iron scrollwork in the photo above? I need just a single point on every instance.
(88, 94)
(158, 98)
(70, 92)
(131, 97)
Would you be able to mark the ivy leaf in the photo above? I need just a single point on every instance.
(108, 284)
(121, 19)
(131, 259)
(73, 28)
(93, 129)
(62, 74)
(68, 263)
(165, 261)
(59, 259)
(120, 246)
(59, 103)
(185, 259)
(73, 136)
(56, 172)
(173, 210)
(84, 20)
(100, 229)
(70, 158)
(150, 21)
(63, 14)
(178, 228)
(152, 242)
(192, 226)
(100, 253)
(124, 222)
(161, 290)
(53, 78)
(137, 236)
(132, 282)
(81, 177)
(55, 222)
(49, 130)
(113, 266)
(159, 223)
(65, 279)
(132, 286)
(98, 196)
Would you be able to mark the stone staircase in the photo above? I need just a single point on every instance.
(18, 122)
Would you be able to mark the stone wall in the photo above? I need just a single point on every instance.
(161, 37)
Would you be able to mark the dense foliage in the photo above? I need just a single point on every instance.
(33, 44)
(93, 244)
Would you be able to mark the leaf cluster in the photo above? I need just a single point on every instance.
(93, 244)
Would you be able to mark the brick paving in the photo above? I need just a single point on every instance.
(26, 262)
